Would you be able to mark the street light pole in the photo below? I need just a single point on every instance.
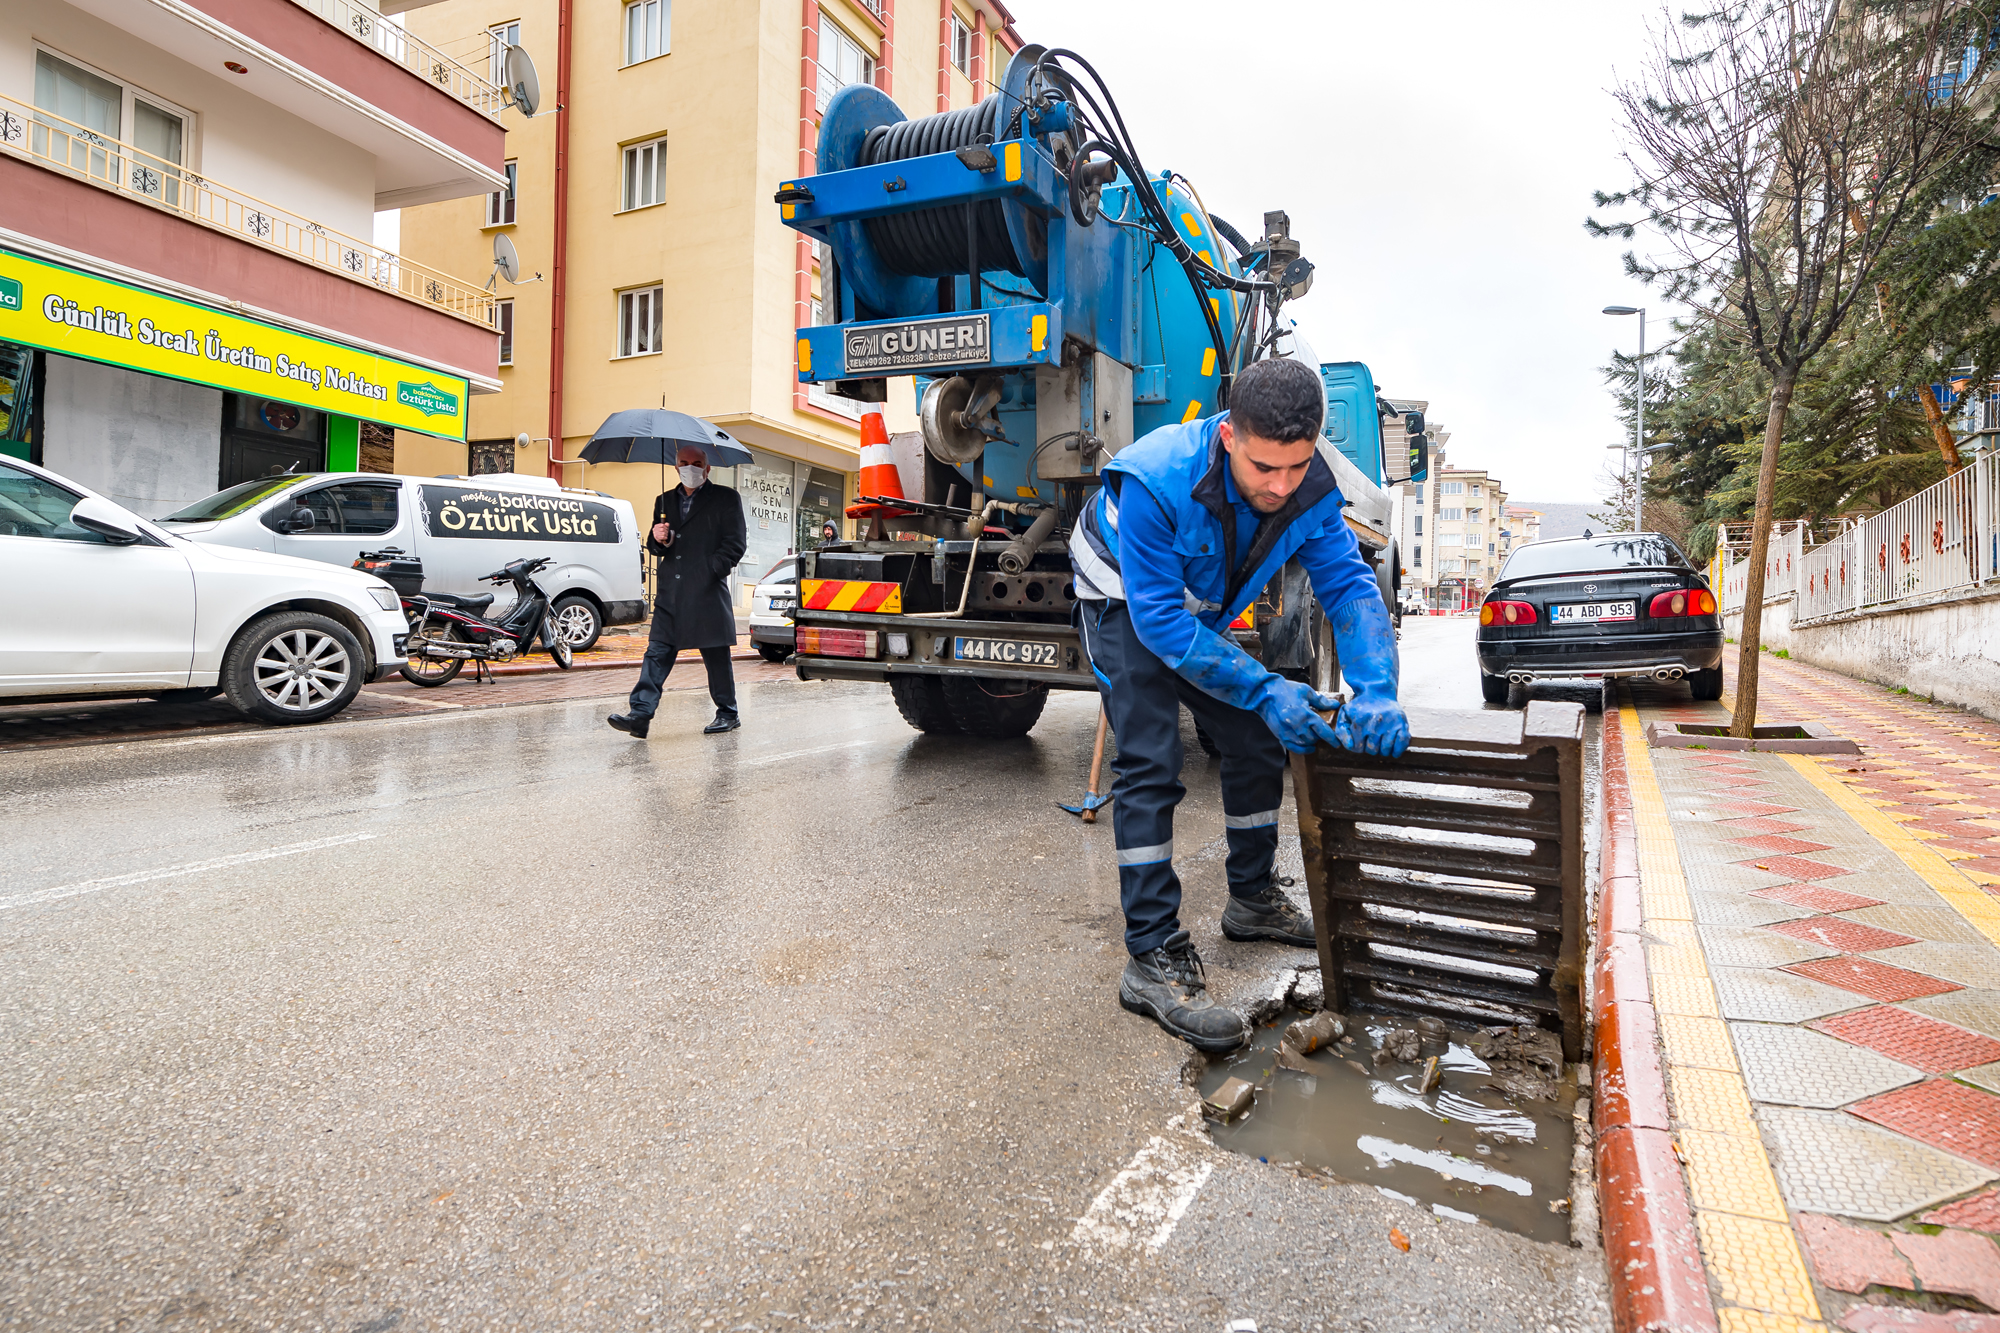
(1639, 427)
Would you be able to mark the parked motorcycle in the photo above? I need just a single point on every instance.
(447, 630)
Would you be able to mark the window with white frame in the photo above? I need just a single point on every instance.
(1417, 557)
(639, 321)
(498, 38)
(1451, 488)
(500, 204)
(1418, 521)
(503, 322)
(85, 108)
(644, 176)
(1475, 516)
(820, 394)
(961, 46)
(1475, 489)
(648, 29)
(841, 61)
(1448, 566)
(1451, 515)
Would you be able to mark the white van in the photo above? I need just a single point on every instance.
(460, 527)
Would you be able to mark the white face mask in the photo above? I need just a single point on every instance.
(692, 477)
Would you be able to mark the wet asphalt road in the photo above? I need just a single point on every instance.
(503, 1020)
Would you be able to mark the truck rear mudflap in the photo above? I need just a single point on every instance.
(859, 646)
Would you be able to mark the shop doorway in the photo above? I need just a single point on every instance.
(262, 437)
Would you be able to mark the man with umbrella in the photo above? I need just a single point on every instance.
(699, 534)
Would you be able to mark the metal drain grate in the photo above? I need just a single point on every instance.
(1450, 881)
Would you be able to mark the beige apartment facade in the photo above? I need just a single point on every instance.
(1456, 533)
(654, 268)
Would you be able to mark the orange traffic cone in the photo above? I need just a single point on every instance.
(878, 471)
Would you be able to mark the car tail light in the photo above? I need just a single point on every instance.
(1507, 613)
(816, 642)
(1683, 602)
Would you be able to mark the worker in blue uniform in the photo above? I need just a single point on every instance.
(1190, 524)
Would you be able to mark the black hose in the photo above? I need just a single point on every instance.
(931, 242)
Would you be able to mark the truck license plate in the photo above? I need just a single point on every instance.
(1596, 611)
(1006, 652)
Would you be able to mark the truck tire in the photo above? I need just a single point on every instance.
(920, 699)
(261, 670)
(980, 711)
(1707, 685)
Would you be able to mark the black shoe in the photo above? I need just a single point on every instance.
(1268, 916)
(723, 722)
(1167, 986)
(632, 725)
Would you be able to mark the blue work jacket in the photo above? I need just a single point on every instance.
(1187, 547)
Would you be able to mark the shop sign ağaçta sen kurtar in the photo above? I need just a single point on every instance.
(78, 314)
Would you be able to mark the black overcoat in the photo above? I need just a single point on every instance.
(691, 598)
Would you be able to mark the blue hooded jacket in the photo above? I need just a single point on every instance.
(1183, 545)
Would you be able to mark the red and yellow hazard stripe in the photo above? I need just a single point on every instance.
(850, 595)
(1244, 619)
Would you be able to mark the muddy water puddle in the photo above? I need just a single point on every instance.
(1472, 1148)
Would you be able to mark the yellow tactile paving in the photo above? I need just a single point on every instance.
(1710, 1099)
(1971, 902)
(1756, 1321)
(1702, 1043)
(1756, 1264)
(1728, 1173)
(1684, 992)
(1746, 1240)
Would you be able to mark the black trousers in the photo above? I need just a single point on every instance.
(1143, 697)
(659, 663)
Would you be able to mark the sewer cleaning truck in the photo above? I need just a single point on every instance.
(1054, 301)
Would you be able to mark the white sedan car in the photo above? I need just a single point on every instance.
(99, 603)
(772, 602)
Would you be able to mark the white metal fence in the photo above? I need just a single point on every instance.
(1940, 541)
(412, 53)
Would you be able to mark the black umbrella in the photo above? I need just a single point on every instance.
(657, 435)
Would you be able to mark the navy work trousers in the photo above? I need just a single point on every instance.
(1143, 697)
(659, 663)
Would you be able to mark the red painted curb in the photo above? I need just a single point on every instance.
(1658, 1283)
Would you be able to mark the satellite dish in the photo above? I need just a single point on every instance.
(506, 259)
(522, 84)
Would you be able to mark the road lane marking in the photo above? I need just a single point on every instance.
(1145, 1202)
(172, 872)
(819, 749)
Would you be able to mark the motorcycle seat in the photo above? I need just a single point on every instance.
(473, 602)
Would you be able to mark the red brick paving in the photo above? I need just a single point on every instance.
(1816, 896)
(1755, 825)
(1958, 1263)
(1948, 1116)
(1771, 842)
(1915, 1039)
(1977, 1212)
(1850, 1258)
(1834, 933)
(1798, 867)
(1898, 1319)
(1756, 808)
(1876, 980)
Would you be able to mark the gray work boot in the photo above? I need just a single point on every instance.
(1269, 915)
(1167, 985)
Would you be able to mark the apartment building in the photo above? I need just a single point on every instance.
(1523, 525)
(656, 270)
(1453, 540)
(190, 296)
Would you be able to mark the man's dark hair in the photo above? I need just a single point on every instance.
(1277, 399)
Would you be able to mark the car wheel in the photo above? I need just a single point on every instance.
(579, 622)
(293, 666)
(920, 699)
(1494, 688)
(774, 652)
(558, 646)
(1707, 685)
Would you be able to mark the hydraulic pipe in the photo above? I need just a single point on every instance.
(1020, 552)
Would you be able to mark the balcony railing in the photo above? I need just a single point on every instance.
(63, 145)
(412, 53)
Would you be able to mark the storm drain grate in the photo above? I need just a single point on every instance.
(1450, 881)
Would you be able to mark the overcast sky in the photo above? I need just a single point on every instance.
(1437, 160)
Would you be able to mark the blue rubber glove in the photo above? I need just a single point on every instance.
(1372, 721)
(1217, 667)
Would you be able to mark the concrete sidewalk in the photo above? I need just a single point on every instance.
(1821, 947)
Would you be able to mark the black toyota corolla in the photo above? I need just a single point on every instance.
(1583, 608)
